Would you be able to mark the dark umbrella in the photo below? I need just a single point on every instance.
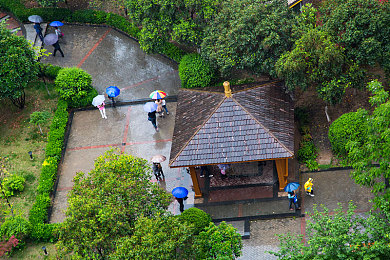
(35, 19)
(180, 192)
(112, 92)
(56, 24)
(291, 186)
(50, 39)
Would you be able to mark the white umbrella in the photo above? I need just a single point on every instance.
(35, 19)
(98, 100)
(50, 39)
(158, 158)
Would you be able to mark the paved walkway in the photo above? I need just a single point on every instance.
(114, 59)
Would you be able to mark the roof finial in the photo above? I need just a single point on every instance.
(228, 91)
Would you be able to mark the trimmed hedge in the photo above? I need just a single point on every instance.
(38, 214)
(195, 72)
(348, 127)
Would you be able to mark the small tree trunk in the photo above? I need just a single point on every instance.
(40, 129)
(326, 113)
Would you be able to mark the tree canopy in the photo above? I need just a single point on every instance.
(18, 66)
(249, 34)
(105, 204)
(183, 21)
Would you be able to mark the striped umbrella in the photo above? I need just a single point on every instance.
(157, 94)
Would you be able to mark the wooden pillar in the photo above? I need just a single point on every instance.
(282, 169)
(195, 183)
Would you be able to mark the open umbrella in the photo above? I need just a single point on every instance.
(180, 192)
(291, 186)
(112, 91)
(158, 158)
(150, 107)
(50, 39)
(35, 19)
(56, 24)
(98, 100)
(157, 94)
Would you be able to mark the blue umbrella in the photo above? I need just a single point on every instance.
(112, 91)
(56, 24)
(150, 107)
(291, 186)
(180, 192)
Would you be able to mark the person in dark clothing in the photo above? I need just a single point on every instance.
(157, 170)
(38, 29)
(292, 197)
(204, 169)
(57, 48)
(180, 200)
(152, 118)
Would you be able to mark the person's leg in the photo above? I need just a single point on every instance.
(104, 113)
(181, 206)
(154, 123)
(54, 53)
(101, 113)
(202, 172)
(40, 36)
(291, 200)
(162, 173)
(166, 109)
(61, 52)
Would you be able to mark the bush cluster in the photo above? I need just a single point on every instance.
(15, 226)
(195, 72)
(11, 184)
(348, 127)
(196, 217)
(48, 70)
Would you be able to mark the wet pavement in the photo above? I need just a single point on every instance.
(114, 59)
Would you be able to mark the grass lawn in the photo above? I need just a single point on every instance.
(17, 138)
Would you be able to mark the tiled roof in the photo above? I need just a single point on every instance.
(255, 124)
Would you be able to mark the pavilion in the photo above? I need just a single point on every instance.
(249, 127)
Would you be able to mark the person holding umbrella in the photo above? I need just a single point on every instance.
(37, 26)
(98, 102)
(52, 39)
(292, 196)
(180, 194)
(158, 96)
(157, 168)
(151, 107)
(113, 91)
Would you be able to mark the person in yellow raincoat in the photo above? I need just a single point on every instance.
(309, 187)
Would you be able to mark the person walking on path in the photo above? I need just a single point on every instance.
(38, 29)
(309, 187)
(152, 118)
(157, 170)
(57, 48)
(159, 109)
(102, 110)
(58, 32)
(292, 197)
(164, 105)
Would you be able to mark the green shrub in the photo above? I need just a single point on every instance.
(307, 151)
(172, 51)
(88, 16)
(11, 184)
(49, 70)
(56, 134)
(195, 72)
(197, 217)
(73, 83)
(348, 127)
(43, 232)
(15, 226)
(122, 24)
(38, 212)
(85, 101)
(48, 175)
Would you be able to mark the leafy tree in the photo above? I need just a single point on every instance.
(361, 27)
(183, 21)
(38, 118)
(105, 204)
(375, 147)
(218, 242)
(342, 235)
(162, 237)
(18, 66)
(249, 34)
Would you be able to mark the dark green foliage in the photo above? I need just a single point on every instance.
(43, 232)
(197, 217)
(84, 101)
(171, 51)
(15, 226)
(48, 175)
(249, 34)
(73, 84)
(48, 70)
(348, 127)
(123, 24)
(49, 3)
(12, 184)
(194, 72)
(57, 131)
(88, 16)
